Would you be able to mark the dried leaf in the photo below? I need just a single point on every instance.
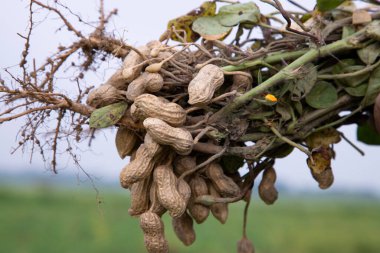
(361, 17)
(107, 115)
(284, 110)
(373, 30)
(322, 95)
(183, 23)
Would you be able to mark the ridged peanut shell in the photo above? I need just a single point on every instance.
(153, 228)
(267, 190)
(218, 210)
(198, 188)
(179, 139)
(203, 86)
(139, 197)
(167, 191)
(146, 82)
(222, 183)
(148, 105)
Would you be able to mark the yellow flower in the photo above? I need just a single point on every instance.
(270, 98)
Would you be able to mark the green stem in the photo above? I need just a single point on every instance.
(271, 58)
(290, 70)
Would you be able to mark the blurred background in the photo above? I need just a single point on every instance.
(68, 212)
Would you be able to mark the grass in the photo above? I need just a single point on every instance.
(50, 220)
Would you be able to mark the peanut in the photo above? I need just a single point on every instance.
(183, 228)
(153, 228)
(132, 66)
(242, 83)
(198, 187)
(267, 190)
(104, 95)
(125, 141)
(201, 89)
(218, 210)
(139, 197)
(184, 163)
(167, 192)
(147, 82)
(245, 246)
(222, 183)
(148, 105)
(142, 166)
(179, 139)
(156, 206)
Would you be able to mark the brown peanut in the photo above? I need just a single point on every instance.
(245, 246)
(184, 190)
(222, 183)
(183, 228)
(146, 82)
(125, 141)
(218, 210)
(242, 83)
(198, 188)
(142, 166)
(132, 66)
(201, 89)
(156, 206)
(104, 95)
(184, 163)
(267, 190)
(153, 228)
(179, 139)
(167, 191)
(139, 197)
(148, 105)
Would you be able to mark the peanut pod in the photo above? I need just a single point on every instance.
(148, 105)
(146, 82)
(167, 192)
(183, 228)
(155, 205)
(139, 197)
(132, 66)
(104, 95)
(179, 139)
(201, 89)
(142, 166)
(218, 210)
(184, 163)
(153, 228)
(198, 188)
(267, 190)
(222, 183)
(125, 141)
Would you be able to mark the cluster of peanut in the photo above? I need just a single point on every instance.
(162, 175)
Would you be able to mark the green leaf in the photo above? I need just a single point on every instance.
(373, 88)
(284, 110)
(367, 134)
(369, 54)
(373, 30)
(210, 28)
(231, 15)
(326, 5)
(322, 95)
(304, 82)
(348, 66)
(358, 91)
(348, 30)
(107, 115)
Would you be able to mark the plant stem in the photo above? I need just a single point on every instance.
(289, 71)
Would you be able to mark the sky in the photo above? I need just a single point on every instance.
(139, 22)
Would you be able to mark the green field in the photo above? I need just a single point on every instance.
(46, 220)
